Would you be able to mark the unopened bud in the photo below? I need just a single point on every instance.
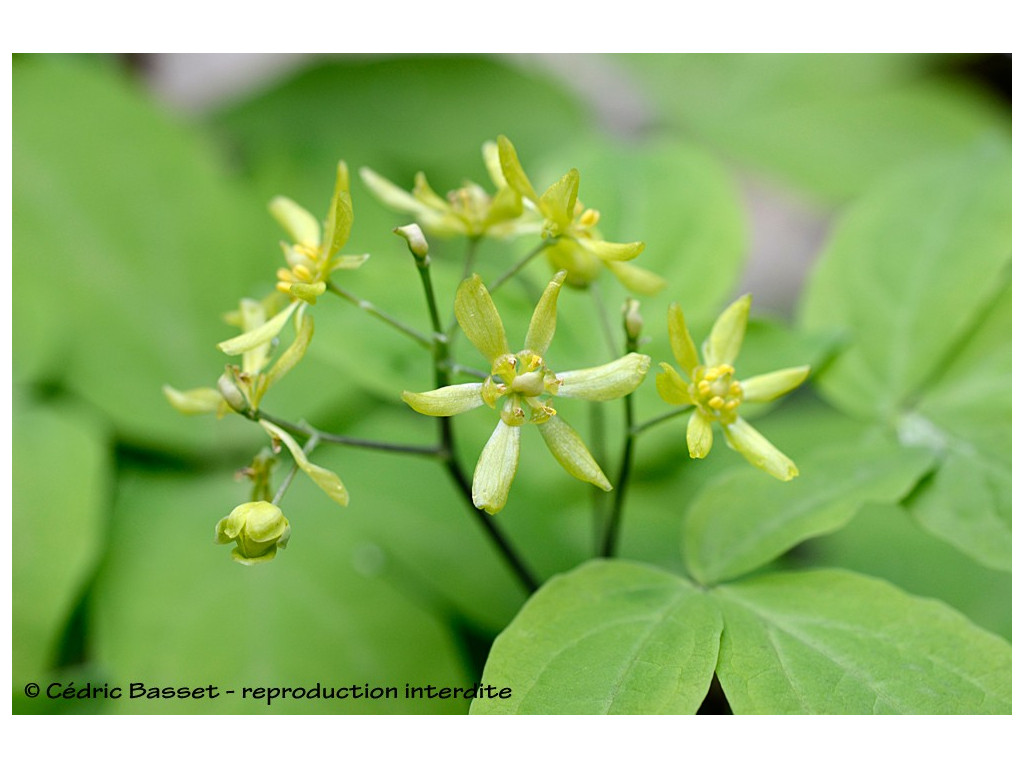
(414, 237)
(632, 321)
(231, 393)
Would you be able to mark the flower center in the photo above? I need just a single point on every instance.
(715, 393)
(526, 383)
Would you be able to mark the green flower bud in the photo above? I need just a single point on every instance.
(413, 235)
(231, 393)
(257, 528)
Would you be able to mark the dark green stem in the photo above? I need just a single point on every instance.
(659, 419)
(611, 531)
(329, 437)
(442, 366)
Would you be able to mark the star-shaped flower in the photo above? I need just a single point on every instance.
(469, 210)
(716, 394)
(578, 247)
(521, 386)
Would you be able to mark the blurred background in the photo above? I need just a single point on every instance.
(140, 186)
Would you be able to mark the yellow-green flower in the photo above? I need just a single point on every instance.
(469, 210)
(715, 392)
(520, 387)
(257, 529)
(578, 247)
(313, 254)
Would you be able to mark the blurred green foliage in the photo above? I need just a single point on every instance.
(135, 229)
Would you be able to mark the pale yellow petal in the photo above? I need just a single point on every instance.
(558, 203)
(262, 335)
(636, 279)
(339, 218)
(542, 324)
(194, 401)
(683, 348)
(611, 252)
(571, 452)
(768, 386)
(479, 318)
(446, 401)
(723, 344)
(699, 436)
(605, 382)
(327, 481)
(300, 224)
(496, 467)
(671, 387)
(756, 449)
(513, 171)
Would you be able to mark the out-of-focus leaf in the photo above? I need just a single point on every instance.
(61, 481)
(832, 642)
(968, 409)
(743, 520)
(831, 124)
(610, 637)
(884, 541)
(927, 310)
(171, 608)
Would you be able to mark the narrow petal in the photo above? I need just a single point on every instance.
(758, 451)
(558, 203)
(390, 194)
(570, 451)
(295, 352)
(194, 401)
(636, 279)
(300, 224)
(328, 482)
(683, 348)
(723, 344)
(542, 324)
(671, 387)
(698, 435)
(611, 251)
(513, 171)
(479, 319)
(339, 218)
(506, 205)
(262, 335)
(492, 160)
(446, 401)
(496, 468)
(348, 261)
(768, 386)
(253, 314)
(605, 382)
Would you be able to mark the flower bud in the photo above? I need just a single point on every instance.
(257, 528)
(231, 393)
(414, 237)
(632, 321)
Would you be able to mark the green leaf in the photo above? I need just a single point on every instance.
(908, 273)
(61, 480)
(743, 520)
(877, 542)
(830, 124)
(172, 608)
(927, 308)
(610, 637)
(968, 412)
(831, 642)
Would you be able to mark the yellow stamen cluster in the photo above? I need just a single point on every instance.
(304, 268)
(716, 394)
(524, 379)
